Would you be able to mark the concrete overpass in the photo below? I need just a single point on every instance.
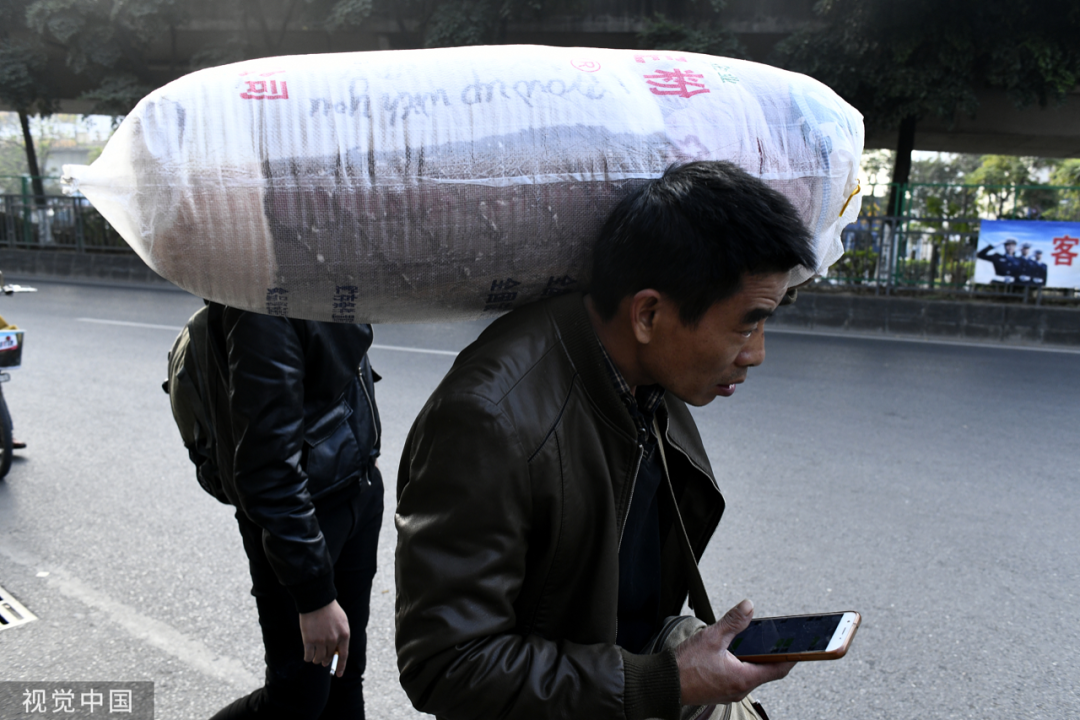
(998, 127)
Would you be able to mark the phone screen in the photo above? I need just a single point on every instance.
(775, 636)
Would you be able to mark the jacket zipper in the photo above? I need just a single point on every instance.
(633, 487)
(622, 529)
(688, 458)
(692, 464)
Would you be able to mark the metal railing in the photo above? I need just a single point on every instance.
(54, 222)
(928, 247)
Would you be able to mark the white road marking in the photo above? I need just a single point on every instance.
(175, 329)
(452, 353)
(162, 636)
(125, 323)
(771, 329)
(855, 335)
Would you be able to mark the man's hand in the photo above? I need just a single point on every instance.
(710, 675)
(326, 631)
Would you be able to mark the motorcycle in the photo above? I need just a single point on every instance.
(11, 345)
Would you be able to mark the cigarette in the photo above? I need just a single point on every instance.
(333, 665)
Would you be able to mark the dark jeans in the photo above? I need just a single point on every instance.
(296, 689)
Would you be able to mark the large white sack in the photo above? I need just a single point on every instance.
(442, 184)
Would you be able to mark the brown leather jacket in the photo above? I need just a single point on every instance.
(514, 484)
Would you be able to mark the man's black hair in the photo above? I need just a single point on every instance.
(692, 234)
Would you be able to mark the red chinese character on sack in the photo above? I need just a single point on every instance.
(1063, 250)
(677, 82)
(259, 90)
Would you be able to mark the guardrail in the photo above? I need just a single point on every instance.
(928, 249)
(56, 222)
(927, 245)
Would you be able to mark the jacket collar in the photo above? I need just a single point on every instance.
(586, 354)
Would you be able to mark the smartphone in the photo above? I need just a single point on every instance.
(796, 638)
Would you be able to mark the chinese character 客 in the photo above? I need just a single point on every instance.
(1064, 254)
(120, 701)
(91, 699)
(683, 83)
(34, 702)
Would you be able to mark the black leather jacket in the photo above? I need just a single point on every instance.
(514, 485)
(297, 427)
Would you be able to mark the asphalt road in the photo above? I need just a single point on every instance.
(931, 487)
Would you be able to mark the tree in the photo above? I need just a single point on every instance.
(448, 23)
(1066, 174)
(24, 83)
(695, 35)
(108, 41)
(898, 62)
(111, 42)
(261, 26)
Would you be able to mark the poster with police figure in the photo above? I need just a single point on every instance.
(1006, 264)
(1028, 253)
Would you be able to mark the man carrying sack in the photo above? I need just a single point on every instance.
(554, 494)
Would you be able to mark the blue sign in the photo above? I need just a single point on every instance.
(1031, 253)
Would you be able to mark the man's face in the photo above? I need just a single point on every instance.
(707, 361)
(1010, 248)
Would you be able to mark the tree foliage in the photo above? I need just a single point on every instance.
(107, 41)
(448, 23)
(708, 37)
(898, 62)
(1066, 173)
(895, 60)
(24, 83)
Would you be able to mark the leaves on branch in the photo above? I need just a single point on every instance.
(662, 33)
(919, 57)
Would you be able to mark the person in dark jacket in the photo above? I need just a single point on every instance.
(535, 557)
(297, 436)
(1038, 274)
(1007, 265)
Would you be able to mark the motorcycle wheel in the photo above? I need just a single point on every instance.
(5, 437)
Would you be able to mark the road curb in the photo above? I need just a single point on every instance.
(933, 319)
(889, 316)
(124, 268)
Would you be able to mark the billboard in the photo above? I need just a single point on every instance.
(1034, 253)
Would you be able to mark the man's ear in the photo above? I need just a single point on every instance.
(644, 305)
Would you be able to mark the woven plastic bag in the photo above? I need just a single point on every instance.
(428, 185)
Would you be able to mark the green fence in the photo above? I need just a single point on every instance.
(54, 222)
(927, 244)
